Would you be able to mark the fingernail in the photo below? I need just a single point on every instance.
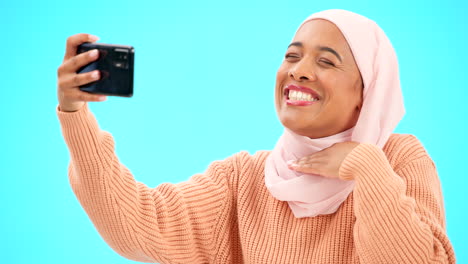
(95, 75)
(93, 38)
(102, 98)
(93, 53)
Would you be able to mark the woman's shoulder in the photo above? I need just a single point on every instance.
(404, 148)
(244, 158)
(399, 149)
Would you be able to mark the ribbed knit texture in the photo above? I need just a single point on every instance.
(226, 215)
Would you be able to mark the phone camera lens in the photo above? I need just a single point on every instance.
(120, 65)
(121, 55)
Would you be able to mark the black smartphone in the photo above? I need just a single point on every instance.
(115, 63)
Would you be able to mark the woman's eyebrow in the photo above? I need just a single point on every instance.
(325, 48)
(297, 44)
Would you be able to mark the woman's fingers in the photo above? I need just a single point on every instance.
(326, 162)
(71, 98)
(306, 165)
(74, 80)
(73, 64)
(74, 41)
(85, 97)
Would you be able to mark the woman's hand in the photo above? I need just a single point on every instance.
(70, 97)
(326, 162)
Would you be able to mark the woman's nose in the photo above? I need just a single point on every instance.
(301, 72)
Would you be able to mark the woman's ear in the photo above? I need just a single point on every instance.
(359, 105)
(359, 86)
(358, 108)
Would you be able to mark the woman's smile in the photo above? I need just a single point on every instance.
(300, 96)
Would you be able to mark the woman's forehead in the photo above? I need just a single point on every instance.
(320, 32)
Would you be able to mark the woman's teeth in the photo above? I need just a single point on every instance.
(300, 96)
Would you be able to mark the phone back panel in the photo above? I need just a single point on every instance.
(116, 65)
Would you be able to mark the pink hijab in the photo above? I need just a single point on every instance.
(311, 195)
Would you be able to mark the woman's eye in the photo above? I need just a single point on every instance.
(291, 56)
(328, 62)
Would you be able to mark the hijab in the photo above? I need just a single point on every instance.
(310, 195)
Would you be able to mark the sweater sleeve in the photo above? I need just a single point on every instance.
(172, 223)
(399, 212)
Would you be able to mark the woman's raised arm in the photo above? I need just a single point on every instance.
(169, 223)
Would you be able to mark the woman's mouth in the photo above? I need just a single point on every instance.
(300, 96)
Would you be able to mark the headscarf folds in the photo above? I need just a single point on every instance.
(311, 195)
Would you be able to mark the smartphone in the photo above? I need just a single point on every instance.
(115, 63)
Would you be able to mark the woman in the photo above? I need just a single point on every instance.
(337, 188)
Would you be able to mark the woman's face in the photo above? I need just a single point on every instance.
(318, 85)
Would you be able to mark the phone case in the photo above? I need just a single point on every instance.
(115, 64)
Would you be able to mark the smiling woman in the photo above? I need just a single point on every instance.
(333, 79)
(338, 187)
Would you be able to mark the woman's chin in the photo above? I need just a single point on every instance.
(298, 126)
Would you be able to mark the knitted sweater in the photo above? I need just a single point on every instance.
(226, 215)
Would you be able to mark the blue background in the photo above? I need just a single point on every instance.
(204, 80)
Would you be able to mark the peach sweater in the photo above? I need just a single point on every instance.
(226, 215)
